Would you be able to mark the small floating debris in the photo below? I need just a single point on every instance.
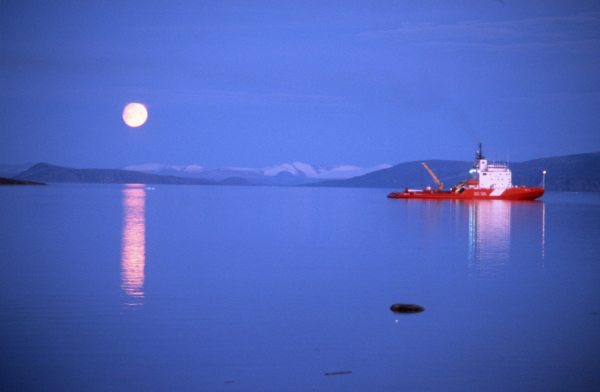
(339, 373)
(406, 308)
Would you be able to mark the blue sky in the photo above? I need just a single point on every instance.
(253, 83)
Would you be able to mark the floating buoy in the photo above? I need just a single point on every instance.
(406, 308)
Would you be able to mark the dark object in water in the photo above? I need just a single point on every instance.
(14, 181)
(406, 308)
(338, 373)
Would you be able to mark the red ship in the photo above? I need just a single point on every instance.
(490, 181)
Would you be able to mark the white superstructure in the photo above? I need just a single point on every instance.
(491, 175)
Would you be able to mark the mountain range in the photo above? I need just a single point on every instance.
(295, 173)
(44, 172)
(579, 172)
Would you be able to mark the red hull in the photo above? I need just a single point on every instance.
(515, 193)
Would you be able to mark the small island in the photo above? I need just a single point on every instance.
(12, 181)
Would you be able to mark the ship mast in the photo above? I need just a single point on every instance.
(479, 153)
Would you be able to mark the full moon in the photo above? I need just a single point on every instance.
(135, 114)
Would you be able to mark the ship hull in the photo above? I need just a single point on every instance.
(514, 193)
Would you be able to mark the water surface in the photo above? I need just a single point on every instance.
(109, 287)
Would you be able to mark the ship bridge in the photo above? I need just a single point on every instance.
(493, 175)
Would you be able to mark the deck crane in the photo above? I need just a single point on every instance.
(438, 183)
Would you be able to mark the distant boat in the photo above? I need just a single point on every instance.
(490, 181)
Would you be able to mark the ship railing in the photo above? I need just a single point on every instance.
(498, 164)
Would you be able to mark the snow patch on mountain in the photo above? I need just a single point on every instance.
(318, 172)
(159, 167)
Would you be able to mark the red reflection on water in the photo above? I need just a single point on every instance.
(490, 225)
(133, 252)
(489, 232)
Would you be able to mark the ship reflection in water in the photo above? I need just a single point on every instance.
(490, 223)
(133, 252)
(489, 232)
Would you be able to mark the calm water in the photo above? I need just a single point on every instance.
(268, 289)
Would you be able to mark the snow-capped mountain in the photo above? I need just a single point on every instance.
(320, 173)
(283, 174)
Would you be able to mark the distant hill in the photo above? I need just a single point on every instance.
(11, 170)
(50, 173)
(579, 172)
(407, 174)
